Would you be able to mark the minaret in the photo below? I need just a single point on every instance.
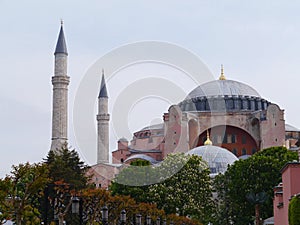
(60, 82)
(103, 124)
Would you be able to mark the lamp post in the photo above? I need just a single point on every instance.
(148, 220)
(77, 207)
(105, 215)
(138, 219)
(123, 216)
(158, 221)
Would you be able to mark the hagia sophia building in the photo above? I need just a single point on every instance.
(225, 117)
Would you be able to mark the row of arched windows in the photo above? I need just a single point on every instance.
(244, 151)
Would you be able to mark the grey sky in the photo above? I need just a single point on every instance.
(257, 41)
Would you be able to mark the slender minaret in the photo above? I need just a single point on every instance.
(60, 82)
(103, 124)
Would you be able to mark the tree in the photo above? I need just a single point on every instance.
(188, 191)
(68, 176)
(20, 191)
(133, 181)
(65, 165)
(94, 199)
(179, 185)
(257, 174)
(294, 211)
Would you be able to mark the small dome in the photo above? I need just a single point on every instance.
(216, 157)
(123, 139)
(159, 126)
(141, 156)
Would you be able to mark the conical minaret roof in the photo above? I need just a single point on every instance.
(103, 90)
(61, 46)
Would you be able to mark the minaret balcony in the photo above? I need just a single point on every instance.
(104, 116)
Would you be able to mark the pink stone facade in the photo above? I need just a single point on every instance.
(289, 187)
(241, 132)
(102, 174)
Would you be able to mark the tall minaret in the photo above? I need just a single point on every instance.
(60, 82)
(103, 124)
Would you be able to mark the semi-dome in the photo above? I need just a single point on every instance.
(223, 95)
(216, 157)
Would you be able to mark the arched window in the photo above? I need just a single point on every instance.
(122, 160)
(253, 150)
(233, 138)
(244, 152)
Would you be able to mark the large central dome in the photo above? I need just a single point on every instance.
(223, 96)
(223, 88)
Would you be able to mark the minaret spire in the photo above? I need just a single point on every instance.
(61, 46)
(103, 90)
(60, 82)
(103, 124)
(222, 76)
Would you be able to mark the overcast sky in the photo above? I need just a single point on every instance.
(257, 41)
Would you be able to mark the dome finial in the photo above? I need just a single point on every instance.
(208, 141)
(222, 77)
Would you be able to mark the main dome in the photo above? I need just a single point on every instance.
(223, 96)
(223, 88)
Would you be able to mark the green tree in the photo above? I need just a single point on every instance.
(133, 181)
(20, 192)
(185, 187)
(179, 185)
(255, 175)
(65, 165)
(68, 176)
(294, 211)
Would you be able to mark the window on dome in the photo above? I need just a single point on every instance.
(213, 169)
(230, 104)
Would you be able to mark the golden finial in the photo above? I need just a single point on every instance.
(61, 22)
(222, 77)
(208, 141)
